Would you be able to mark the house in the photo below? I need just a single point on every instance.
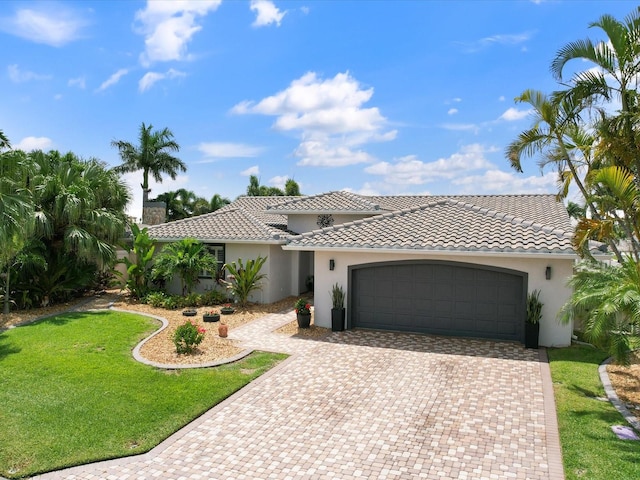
(449, 265)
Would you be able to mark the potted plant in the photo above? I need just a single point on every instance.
(189, 312)
(337, 311)
(303, 313)
(211, 316)
(532, 325)
(227, 309)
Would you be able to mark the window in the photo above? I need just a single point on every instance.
(217, 251)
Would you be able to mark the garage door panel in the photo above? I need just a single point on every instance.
(440, 298)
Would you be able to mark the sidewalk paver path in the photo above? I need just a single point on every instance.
(362, 404)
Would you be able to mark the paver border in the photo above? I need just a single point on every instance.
(554, 449)
(613, 396)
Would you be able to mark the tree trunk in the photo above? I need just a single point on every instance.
(5, 309)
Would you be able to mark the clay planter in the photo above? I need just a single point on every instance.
(223, 330)
(211, 318)
(304, 320)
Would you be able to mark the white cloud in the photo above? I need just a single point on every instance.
(79, 82)
(266, 13)
(452, 111)
(461, 127)
(513, 114)
(501, 98)
(19, 76)
(112, 80)
(495, 181)
(149, 78)
(500, 39)
(168, 27)
(228, 150)
(255, 170)
(48, 23)
(133, 180)
(410, 170)
(278, 181)
(34, 143)
(330, 116)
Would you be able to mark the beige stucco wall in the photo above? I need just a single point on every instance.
(553, 293)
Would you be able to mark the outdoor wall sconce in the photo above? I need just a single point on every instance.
(547, 273)
(332, 264)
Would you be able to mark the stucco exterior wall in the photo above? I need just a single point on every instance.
(553, 293)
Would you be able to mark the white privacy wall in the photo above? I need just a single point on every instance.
(553, 293)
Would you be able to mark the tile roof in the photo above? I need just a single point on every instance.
(228, 224)
(446, 224)
(331, 202)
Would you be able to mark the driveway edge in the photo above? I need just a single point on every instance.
(554, 449)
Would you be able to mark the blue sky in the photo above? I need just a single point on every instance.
(375, 97)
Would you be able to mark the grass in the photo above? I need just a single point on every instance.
(590, 449)
(72, 393)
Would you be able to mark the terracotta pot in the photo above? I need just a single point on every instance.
(223, 330)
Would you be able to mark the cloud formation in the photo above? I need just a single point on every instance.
(168, 27)
(112, 80)
(228, 150)
(46, 23)
(330, 116)
(513, 114)
(149, 78)
(266, 13)
(28, 144)
(493, 40)
(20, 76)
(255, 170)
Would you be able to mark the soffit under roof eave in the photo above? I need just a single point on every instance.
(465, 253)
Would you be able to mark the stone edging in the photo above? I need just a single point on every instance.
(173, 366)
(613, 396)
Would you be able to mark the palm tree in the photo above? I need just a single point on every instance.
(152, 156)
(16, 211)
(217, 202)
(617, 59)
(186, 258)
(557, 136)
(607, 299)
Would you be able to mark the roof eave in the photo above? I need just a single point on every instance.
(407, 251)
(272, 241)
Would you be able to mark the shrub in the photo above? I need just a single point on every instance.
(214, 297)
(244, 279)
(187, 337)
(155, 299)
(192, 300)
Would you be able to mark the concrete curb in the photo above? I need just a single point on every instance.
(613, 396)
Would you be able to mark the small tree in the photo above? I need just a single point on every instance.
(185, 258)
(245, 279)
(139, 270)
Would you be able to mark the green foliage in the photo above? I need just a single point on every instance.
(193, 300)
(337, 296)
(72, 377)
(534, 307)
(187, 337)
(590, 450)
(607, 299)
(302, 306)
(185, 258)
(244, 279)
(171, 302)
(139, 270)
(213, 297)
(155, 299)
(152, 156)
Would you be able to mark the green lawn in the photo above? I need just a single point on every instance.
(590, 449)
(71, 392)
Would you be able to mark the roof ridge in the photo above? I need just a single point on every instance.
(274, 232)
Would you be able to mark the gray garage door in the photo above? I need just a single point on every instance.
(442, 298)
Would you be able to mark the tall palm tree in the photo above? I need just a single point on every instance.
(560, 140)
(617, 59)
(152, 156)
(16, 210)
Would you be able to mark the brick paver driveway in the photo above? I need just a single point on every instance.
(370, 405)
